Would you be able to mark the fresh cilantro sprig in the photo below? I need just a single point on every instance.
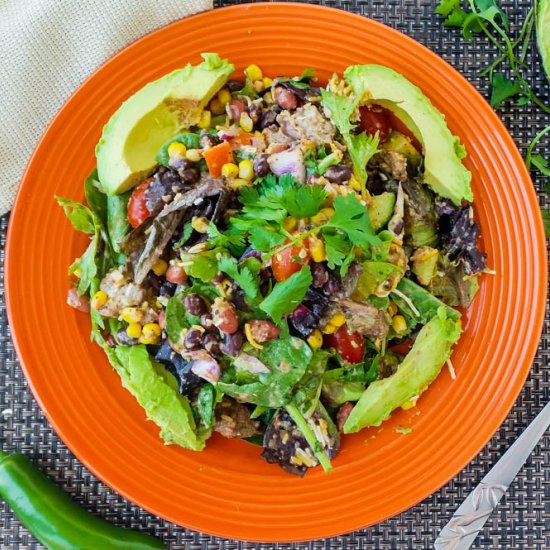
(287, 295)
(301, 82)
(230, 240)
(274, 198)
(361, 147)
(248, 281)
(349, 227)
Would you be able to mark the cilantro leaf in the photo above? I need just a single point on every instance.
(337, 247)
(456, 18)
(203, 266)
(352, 218)
(546, 221)
(264, 238)
(341, 109)
(259, 206)
(541, 164)
(445, 7)
(502, 89)
(287, 295)
(363, 148)
(232, 241)
(300, 201)
(247, 281)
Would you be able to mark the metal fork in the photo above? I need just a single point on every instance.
(469, 519)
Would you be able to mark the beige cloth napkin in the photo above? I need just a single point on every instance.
(47, 48)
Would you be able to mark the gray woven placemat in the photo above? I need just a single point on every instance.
(522, 520)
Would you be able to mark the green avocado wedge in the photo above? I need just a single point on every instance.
(417, 371)
(543, 33)
(443, 168)
(126, 152)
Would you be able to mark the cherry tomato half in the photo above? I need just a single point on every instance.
(350, 346)
(375, 119)
(283, 263)
(137, 207)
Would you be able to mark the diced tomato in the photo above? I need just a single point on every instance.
(283, 263)
(176, 274)
(216, 157)
(137, 207)
(351, 347)
(375, 118)
(241, 139)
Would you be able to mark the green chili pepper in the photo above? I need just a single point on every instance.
(53, 518)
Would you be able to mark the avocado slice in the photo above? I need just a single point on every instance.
(417, 371)
(443, 168)
(380, 209)
(134, 134)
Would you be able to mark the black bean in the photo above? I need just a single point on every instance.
(331, 286)
(154, 281)
(211, 343)
(260, 164)
(190, 176)
(238, 299)
(194, 304)
(169, 178)
(167, 289)
(208, 140)
(180, 164)
(320, 275)
(193, 339)
(234, 85)
(267, 119)
(338, 174)
(255, 112)
(232, 343)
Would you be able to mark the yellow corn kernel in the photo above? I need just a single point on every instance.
(132, 315)
(99, 299)
(246, 123)
(338, 319)
(267, 81)
(258, 85)
(237, 183)
(317, 249)
(399, 324)
(224, 96)
(250, 338)
(193, 155)
(216, 106)
(133, 330)
(205, 120)
(330, 329)
(315, 339)
(160, 267)
(230, 170)
(392, 309)
(246, 170)
(354, 184)
(200, 223)
(253, 72)
(176, 149)
(323, 216)
(150, 334)
(290, 223)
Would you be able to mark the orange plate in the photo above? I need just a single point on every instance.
(227, 490)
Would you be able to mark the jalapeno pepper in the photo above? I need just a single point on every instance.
(53, 518)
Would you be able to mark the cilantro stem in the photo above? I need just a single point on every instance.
(536, 139)
(307, 432)
(523, 38)
(293, 242)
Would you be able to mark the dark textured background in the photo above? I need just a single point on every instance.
(522, 520)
